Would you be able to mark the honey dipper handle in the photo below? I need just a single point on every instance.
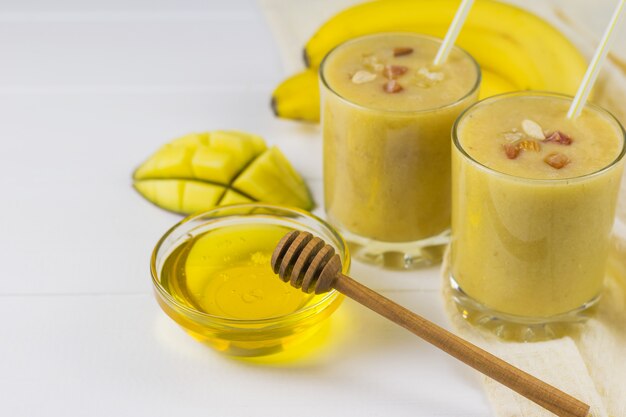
(534, 389)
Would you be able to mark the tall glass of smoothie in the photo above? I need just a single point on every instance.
(387, 114)
(533, 197)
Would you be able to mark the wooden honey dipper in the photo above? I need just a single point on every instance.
(307, 262)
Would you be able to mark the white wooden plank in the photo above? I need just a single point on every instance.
(99, 6)
(209, 50)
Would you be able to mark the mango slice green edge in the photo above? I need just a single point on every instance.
(200, 171)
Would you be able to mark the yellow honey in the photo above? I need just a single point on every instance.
(226, 273)
(212, 275)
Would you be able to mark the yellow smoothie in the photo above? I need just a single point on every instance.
(387, 114)
(534, 198)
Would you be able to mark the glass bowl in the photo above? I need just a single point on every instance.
(235, 336)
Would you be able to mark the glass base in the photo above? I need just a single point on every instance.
(398, 255)
(518, 328)
(285, 348)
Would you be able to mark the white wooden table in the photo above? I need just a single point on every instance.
(87, 91)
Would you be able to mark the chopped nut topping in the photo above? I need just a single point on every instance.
(511, 150)
(362, 77)
(432, 76)
(392, 87)
(558, 137)
(369, 58)
(513, 136)
(372, 62)
(394, 71)
(529, 145)
(533, 129)
(401, 51)
(556, 160)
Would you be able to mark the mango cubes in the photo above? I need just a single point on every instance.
(200, 171)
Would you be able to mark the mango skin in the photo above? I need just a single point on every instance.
(200, 171)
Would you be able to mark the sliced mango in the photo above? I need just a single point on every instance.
(191, 139)
(199, 171)
(215, 165)
(197, 195)
(169, 162)
(233, 197)
(181, 196)
(271, 177)
(245, 147)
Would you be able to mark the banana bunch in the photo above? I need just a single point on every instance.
(199, 171)
(516, 50)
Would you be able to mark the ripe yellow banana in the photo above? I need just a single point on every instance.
(298, 97)
(515, 49)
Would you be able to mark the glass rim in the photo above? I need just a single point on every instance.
(464, 97)
(537, 93)
(211, 318)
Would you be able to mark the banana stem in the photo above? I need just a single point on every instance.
(595, 65)
(453, 32)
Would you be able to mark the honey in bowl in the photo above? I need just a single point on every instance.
(226, 272)
(212, 275)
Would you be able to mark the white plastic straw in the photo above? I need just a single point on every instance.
(595, 65)
(453, 32)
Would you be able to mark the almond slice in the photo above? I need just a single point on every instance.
(362, 77)
(558, 137)
(372, 62)
(513, 136)
(402, 50)
(556, 160)
(394, 71)
(392, 87)
(533, 129)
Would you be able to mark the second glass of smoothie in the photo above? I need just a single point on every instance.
(387, 115)
(534, 196)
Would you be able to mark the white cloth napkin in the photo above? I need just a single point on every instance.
(590, 365)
